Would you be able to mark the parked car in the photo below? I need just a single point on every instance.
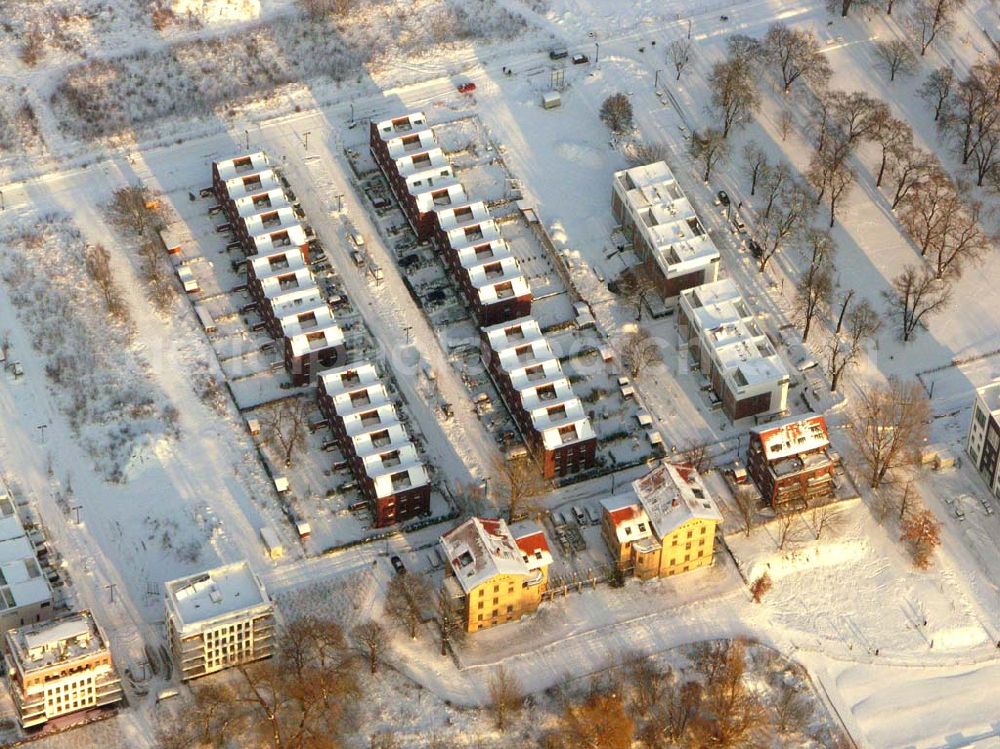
(578, 515)
(723, 198)
(358, 258)
(580, 59)
(358, 239)
(397, 564)
(558, 53)
(466, 88)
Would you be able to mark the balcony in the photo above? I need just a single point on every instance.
(370, 419)
(401, 482)
(360, 399)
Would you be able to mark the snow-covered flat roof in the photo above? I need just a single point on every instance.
(407, 144)
(269, 220)
(252, 184)
(433, 158)
(361, 419)
(493, 287)
(286, 281)
(434, 192)
(328, 336)
(474, 233)
(400, 124)
(561, 430)
(514, 333)
(672, 494)
(315, 316)
(793, 436)
(462, 216)
(479, 549)
(524, 355)
(284, 236)
(67, 638)
(296, 300)
(363, 400)
(21, 580)
(265, 200)
(481, 252)
(546, 372)
(387, 435)
(200, 600)
(348, 378)
(989, 395)
(388, 480)
(239, 166)
(277, 262)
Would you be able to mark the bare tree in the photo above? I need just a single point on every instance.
(373, 640)
(971, 117)
(601, 722)
(755, 163)
(449, 618)
(831, 174)
(317, 10)
(785, 122)
(946, 227)
(855, 114)
(897, 57)
(649, 682)
(824, 517)
(845, 347)
(787, 218)
(505, 696)
(616, 113)
(679, 708)
(708, 146)
(639, 350)
(679, 54)
(908, 169)
(635, 285)
(300, 699)
(735, 96)
(785, 522)
(404, 601)
(815, 286)
(733, 715)
(937, 88)
(797, 54)
(519, 484)
(891, 4)
(922, 533)
(791, 707)
(774, 182)
(844, 6)
(284, 426)
(917, 295)
(98, 264)
(930, 18)
(137, 208)
(889, 424)
(845, 305)
(745, 499)
(895, 138)
(695, 454)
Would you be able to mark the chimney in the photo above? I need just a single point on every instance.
(674, 502)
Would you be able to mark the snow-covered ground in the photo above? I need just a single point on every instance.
(193, 492)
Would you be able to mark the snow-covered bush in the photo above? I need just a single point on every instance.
(96, 377)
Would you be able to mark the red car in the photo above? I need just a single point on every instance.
(467, 88)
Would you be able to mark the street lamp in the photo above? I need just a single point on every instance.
(408, 328)
(246, 135)
(305, 139)
(597, 51)
(656, 80)
(689, 28)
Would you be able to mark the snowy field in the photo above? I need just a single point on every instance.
(123, 416)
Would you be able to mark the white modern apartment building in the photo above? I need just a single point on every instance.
(984, 435)
(730, 349)
(218, 618)
(60, 666)
(25, 593)
(664, 229)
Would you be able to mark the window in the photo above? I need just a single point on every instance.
(509, 609)
(690, 533)
(687, 558)
(496, 601)
(480, 604)
(701, 542)
(687, 545)
(704, 529)
(980, 417)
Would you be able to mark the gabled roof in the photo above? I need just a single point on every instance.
(672, 494)
(630, 521)
(530, 539)
(479, 550)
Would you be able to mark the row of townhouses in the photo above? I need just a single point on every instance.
(539, 395)
(266, 221)
(550, 417)
(437, 207)
(746, 374)
(366, 426)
